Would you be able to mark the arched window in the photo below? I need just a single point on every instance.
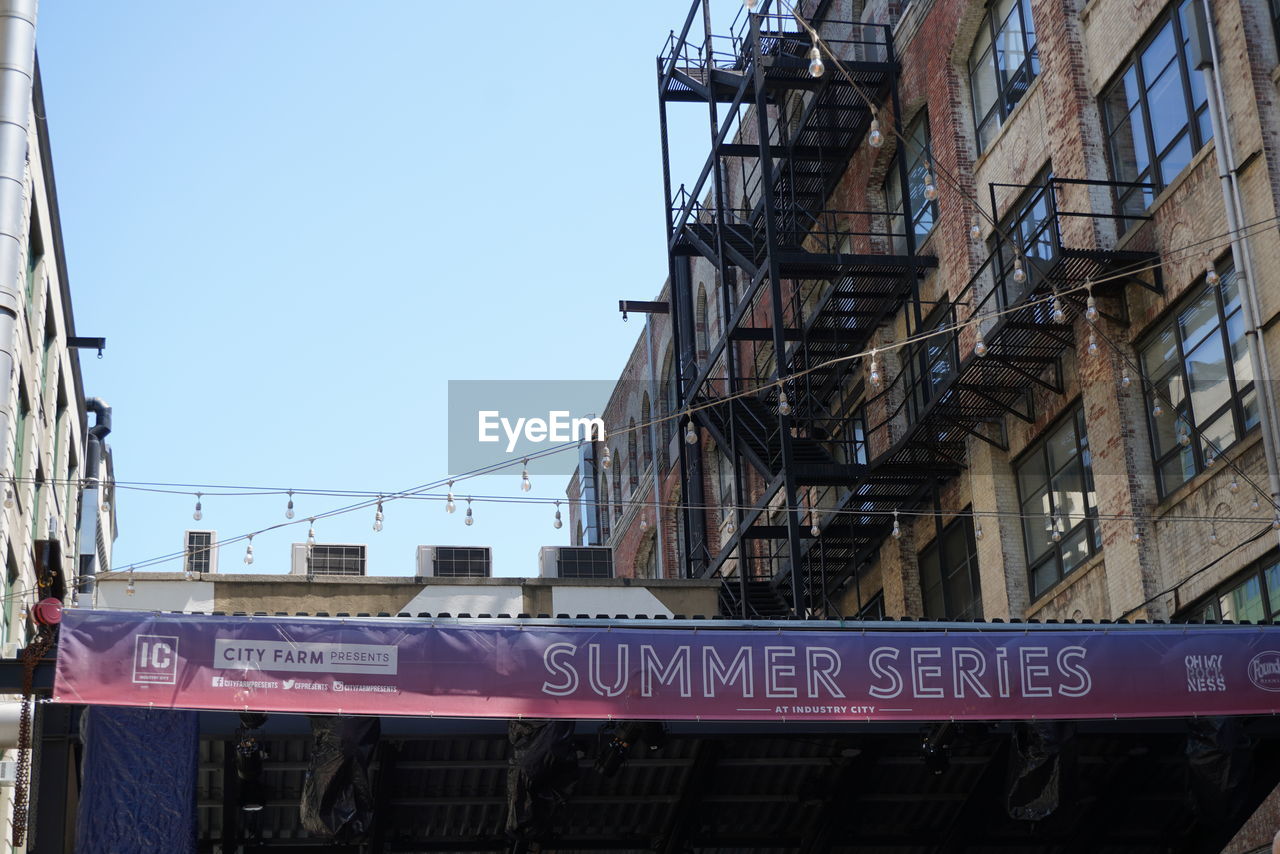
(633, 460)
(617, 489)
(646, 438)
(602, 509)
(1002, 65)
(669, 395)
(701, 332)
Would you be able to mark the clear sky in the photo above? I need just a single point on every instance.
(295, 221)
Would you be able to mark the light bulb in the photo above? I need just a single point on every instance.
(979, 344)
(129, 589)
(1135, 537)
(8, 497)
(1059, 316)
(377, 518)
(1019, 274)
(1213, 536)
(897, 532)
(470, 520)
(644, 524)
(558, 523)
(1234, 486)
(1157, 410)
(691, 435)
(875, 138)
(816, 68)
(1055, 533)
(311, 532)
(288, 508)
(1275, 523)
(449, 506)
(977, 531)
(1209, 458)
(975, 231)
(814, 530)
(1184, 438)
(248, 553)
(23, 612)
(199, 512)
(930, 189)
(1093, 344)
(1255, 504)
(1125, 382)
(750, 4)
(189, 575)
(607, 459)
(1091, 309)
(1211, 276)
(875, 371)
(525, 485)
(784, 405)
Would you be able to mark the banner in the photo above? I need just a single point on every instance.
(492, 669)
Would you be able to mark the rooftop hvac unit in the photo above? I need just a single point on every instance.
(328, 559)
(455, 562)
(576, 562)
(200, 552)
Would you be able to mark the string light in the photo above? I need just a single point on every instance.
(930, 188)
(1213, 535)
(1055, 532)
(729, 524)
(975, 231)
(875, 138)
(288, 508)
(1157, 410)
(644, 523)
(690, 435)
(311, 532)
(23, 612)
(449, 506)
(606, 459)
(814, 530)
(1125, 382)
(199, 512)
(1209, 458)
(1275, 523)
(784, 406)
(558, 523)
(816, 68)
(129, 588)
(377, 517)
(1135, 537)
(750, 4)
(1091, 307)
(525, 485)
(1234, 486)
(1211, 276)
(1093, 344)
(8, 496)
(876, 380)
(248, 552)
(897, 531)
(977, 530)
(979, 343)
(1059, 316)
(188, 574)
(1184, 438)
(1019, 274)
(470, 520)
(1255, 504)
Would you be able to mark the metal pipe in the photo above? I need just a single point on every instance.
(660, 541)
(1240, 253)
(90, 500)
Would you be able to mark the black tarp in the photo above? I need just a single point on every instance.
(337, 797)
(543, 771)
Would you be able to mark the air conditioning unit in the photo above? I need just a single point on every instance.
(200, 552)
(575, 562)
(8, 772)
(328, 559)
(455, 562)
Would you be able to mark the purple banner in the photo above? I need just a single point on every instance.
(490, 669)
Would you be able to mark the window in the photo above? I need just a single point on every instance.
(932, 363)
(199, 551)
(949, 574)
(919, 157)
(1059, 506)
(633, 459)
(1196, 366)
(1002, 65)
(20, 435)
(646, 437)
(1031, 226)
(1253, 595)
(1157, 113)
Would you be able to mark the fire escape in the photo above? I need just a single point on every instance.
(803, 288)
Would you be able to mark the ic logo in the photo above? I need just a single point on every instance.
(1264, 670)
(155, 659)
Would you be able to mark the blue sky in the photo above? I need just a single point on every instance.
(295, 222)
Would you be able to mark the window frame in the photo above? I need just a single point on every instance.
(924, 386)
(1208, 608)
(1055, 553)
(1003, 105)
(947, 566)
(1171, 16)
(1183, 412)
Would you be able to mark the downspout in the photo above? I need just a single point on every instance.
(1241, 255)
(17, 77)
(91, 500)
(652, 429)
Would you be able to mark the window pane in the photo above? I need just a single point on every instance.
(1177, 470)
(1207, 374)
(1273, 589)
(1166, 392)
(1043, 576)
(1177, 159)
(1244, 602)
(1032, 476)
(1075, 549)
(1167, 106)
(1220, 434)
(1069, 491)
(1240, 363)
(1158, 54)
(1199, 319)
(1161, 354)
(1062, 446)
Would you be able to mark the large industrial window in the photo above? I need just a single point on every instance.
(931, 364)
(1199, 382)
(1028, 223)
(1252, 595)
(919, 159)
(1058, 502)
(1156, 114)
(949, 574)
(1002, 65)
